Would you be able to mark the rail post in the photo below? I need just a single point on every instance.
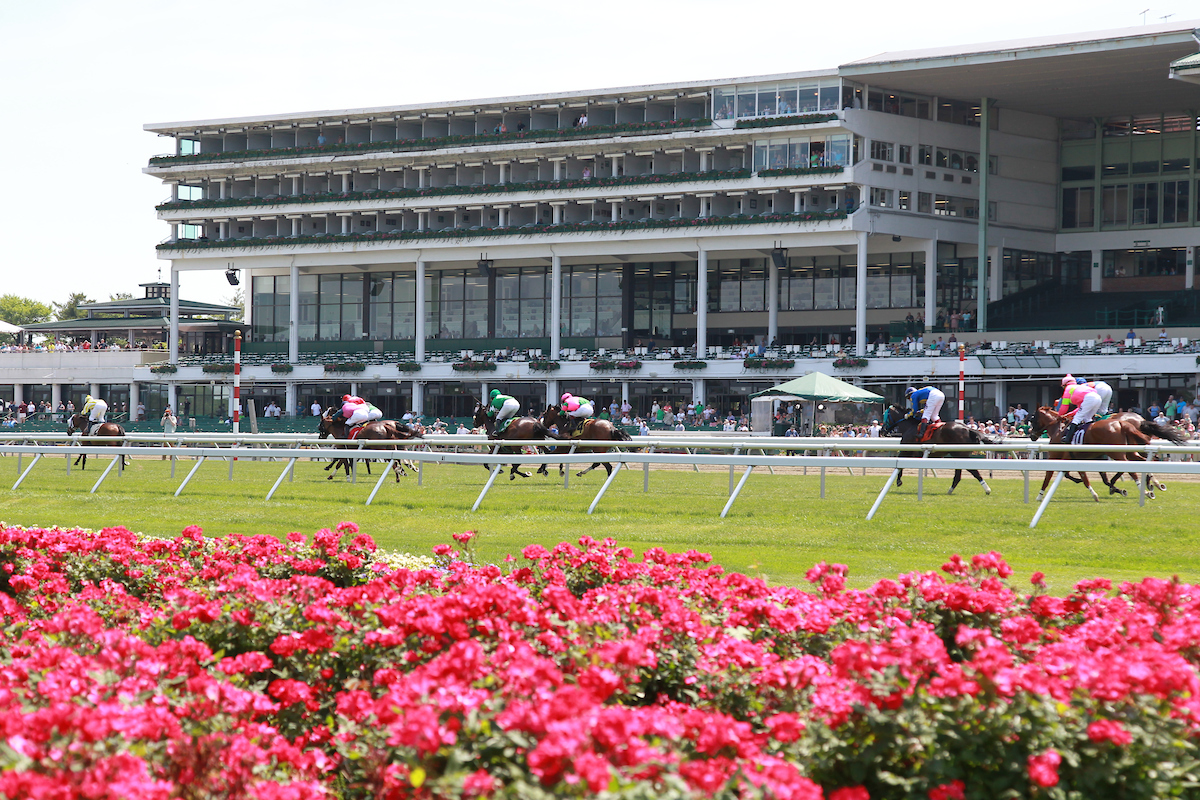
(199, 461)
(734, 495)
(604, 488)
(279, 480)
(379, 483)
(104, 474)
(886, 488)
(237, 385)
(28, 469)
(1058, 476)
(491, 479)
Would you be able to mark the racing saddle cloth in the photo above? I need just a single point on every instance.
(929, 431)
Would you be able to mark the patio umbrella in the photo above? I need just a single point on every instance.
(7, 327)
(817, 387)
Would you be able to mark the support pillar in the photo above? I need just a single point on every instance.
(704, 161)
(985, 128)
(94, 389)
(173, 400)
(996, 289)
(702, 304)
(624, 392)
(19, 393)
(55, 396)
(698, 390)
(290, 400)
(552, 395)
(418, 398)
(772, 303)
(173, 343)
(1097, 283)
(134, 399)
(615, 206)
(860, 297)
(294, 315)
(931, 267)
(1001, 399)
(419, 333)
(555, 305)
(1189, 271)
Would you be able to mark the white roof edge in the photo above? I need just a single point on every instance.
(171, 127)
(1163, 34)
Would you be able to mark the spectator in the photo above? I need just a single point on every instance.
(141, 412)
(315, 409)
(1129, 337)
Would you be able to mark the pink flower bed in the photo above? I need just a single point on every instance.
(297, 668)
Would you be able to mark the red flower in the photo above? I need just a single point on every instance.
(1109, 730)
(850, 793)
(954, 790)
(1043, 769)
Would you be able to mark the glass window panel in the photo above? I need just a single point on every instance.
(903, 290)
(308, 290)
(878, 291)
(508, 318)
(352, 321)
(848, 284)
(608, 316)
(381, 321)
(723, 102)
(451, 286)
(583, 282)
(331, 288)
(451, 321)
(263, 291)
(609, 284)
(837, 150)
(475, 319)
(766, 100)
(787, 100)
(404, 321)
(746, 101)
(404, 288)
(808, 98)
(331, 324)
(831, 92)
(583, 316)
(1145, 204)
(307, 327)
(508, 287)
(760, 154)
(476, 287)
(533, 283)
(778, 156)
(731, 295)
(798, 150)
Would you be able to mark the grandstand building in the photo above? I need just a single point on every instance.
(1035, 197)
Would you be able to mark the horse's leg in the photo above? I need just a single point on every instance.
(957, 478)
(1112, 485)
(1045, 483)
(975, 474)
(583, 472)
(899, 477)
(1072, 478)
(1088, 484)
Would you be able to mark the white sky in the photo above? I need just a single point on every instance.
(78, 79)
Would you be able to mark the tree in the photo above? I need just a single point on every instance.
(120, 296)
(22, 310)
(70, 309)
(238, 300)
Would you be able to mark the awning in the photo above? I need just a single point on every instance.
(819, 387)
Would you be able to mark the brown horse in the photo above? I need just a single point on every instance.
(593, 429)
(1123, 429)
(953, 432)
(520, 429)
(80, 423)
(379, 430)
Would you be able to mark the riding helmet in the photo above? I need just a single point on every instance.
(909, 391)
(345, 398)
(1081, 381)
(566, 396)
(1068, 380)
(494, 394)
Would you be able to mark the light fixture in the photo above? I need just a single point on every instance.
(377, 285)
(779, 256)
(485, 265)
(231, 275)
(896, 238)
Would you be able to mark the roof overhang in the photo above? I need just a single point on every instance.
(1187, 69)
(1090, 75)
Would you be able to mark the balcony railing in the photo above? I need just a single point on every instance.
(495, 188)
(798, 119)
(547, 135)
(525, 230)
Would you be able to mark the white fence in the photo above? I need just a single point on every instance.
(748, 453)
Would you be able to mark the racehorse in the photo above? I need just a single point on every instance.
(520, 429)
(953, 432)
(80, 423)
(377, 430)
(593, 429)
(1128, 429)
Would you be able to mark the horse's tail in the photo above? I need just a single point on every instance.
(544, 432)
(622, 434)
(978, 437)
(1170, 432)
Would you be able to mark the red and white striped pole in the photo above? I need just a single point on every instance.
(962, 380)
(237, 379)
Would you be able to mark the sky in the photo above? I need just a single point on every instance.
(79, 79)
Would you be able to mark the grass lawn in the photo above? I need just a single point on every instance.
(778, 528)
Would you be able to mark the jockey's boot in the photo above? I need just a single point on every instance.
(921, 429)
(1069, 433)
(571, 427)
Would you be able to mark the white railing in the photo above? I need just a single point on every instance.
(447, 449)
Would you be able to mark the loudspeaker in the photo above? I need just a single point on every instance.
(485, 268)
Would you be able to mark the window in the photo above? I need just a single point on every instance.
(1078, 173)
(964, 113)
(1145, 204)
(925, 155)
(956, 159)
(947, 206)
(185, 192)
(1077, 207)
(190, 231)
(592, 301)
(904, 200)
(269, 308)
(188, 147)
(905, 155)
(392, 305)
(924, 203)
(904, 105)
(1114, 206)
(882, 151)
(521, 304)
(1174, 202)
(881, 197)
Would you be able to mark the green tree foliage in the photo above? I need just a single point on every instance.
(70, 309)
(22, 310)
(120, 296)
(238, 299)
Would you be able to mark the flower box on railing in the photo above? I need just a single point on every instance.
(544, 365)
(281, 369)
(691, 365)
(164, 369)
(409, 366)
(217, 368)
(768, 363)
(795, 119)
(849, 362)
(345, 366)
(475, 366)
(608, 365)
(792, 171)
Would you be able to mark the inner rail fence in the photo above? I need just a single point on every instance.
(746, 452)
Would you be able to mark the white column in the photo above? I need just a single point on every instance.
(557, 169)
(134, 397)
(345, 183)
(772, 302)
(930, 284)
(1001, 398)
(421, 174)
(55, 396)
(1097, 271)
(172, 400)
(624, 391)
(223, 229)
(555, 305)
(345, 224)
(19, 392)
(1189, 273)
(419, 343)
(173, 344)
(704, 161)
(702, 304)
(418, 397)
(502, 217)
(93, 389)
(295, 227)
(616, 210)
(860, 297)
(552, 395)
(557, 211)
(503, 173)
(698, 390)
(996, 276)
(294, 314)
(290, 399)
(797, 200)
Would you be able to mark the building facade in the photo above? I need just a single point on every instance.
(801, 215)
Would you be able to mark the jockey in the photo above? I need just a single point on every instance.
(95, 409)
(502, 408)
(577, 410)
(1103, 389)
(357, 411)
(927, 402)
(1079, 403)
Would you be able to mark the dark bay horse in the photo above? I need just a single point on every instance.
(953, 432)
(79, 423)
(520, 429)
(1127, 429)
(592, 430)
(379, 430)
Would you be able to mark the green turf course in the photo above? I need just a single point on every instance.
(778, 528)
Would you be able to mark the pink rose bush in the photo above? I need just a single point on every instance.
(255, 667)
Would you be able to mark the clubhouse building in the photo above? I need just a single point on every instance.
(1028, 200)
